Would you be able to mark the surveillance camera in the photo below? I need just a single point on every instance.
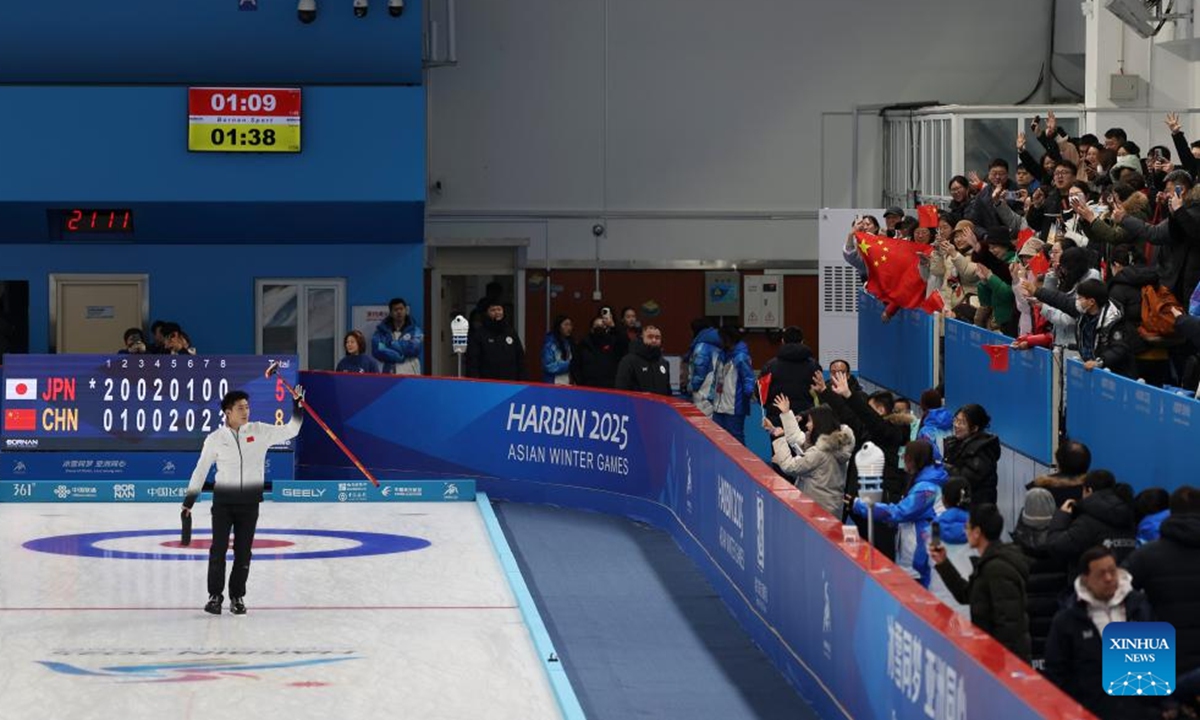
(360, 8)
(598, 230)
(395, 8)
(307, 10)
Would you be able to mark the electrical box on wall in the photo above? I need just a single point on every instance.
(763, 306)
(1124, 88)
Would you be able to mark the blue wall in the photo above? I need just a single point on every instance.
(206, 42)
(84, 144)
(210, 290)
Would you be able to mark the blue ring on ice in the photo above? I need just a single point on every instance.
(84, 545)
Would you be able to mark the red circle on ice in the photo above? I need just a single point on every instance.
(206, 543)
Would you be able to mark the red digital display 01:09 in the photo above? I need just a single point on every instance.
(90, 221)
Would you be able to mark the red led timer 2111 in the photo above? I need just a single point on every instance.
(98, 221)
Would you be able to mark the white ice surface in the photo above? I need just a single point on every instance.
(432, 634)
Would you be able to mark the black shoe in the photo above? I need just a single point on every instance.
(236, 606)
(213, 606)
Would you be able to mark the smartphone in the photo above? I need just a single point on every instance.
(1037, 120)
(1012, 195)
(935, 534)
(1178, 191)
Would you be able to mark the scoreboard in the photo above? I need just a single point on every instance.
(115, 403)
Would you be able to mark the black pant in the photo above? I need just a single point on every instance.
(243, 519)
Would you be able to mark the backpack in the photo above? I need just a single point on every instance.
(1157, 319)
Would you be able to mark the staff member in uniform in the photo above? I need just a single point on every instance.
(240, 450)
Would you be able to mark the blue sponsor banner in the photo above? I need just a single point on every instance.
(1020, 401)
(135, 466)
(898, 354)
(854, 642)
(1144, 435)
(364, 491)
(42, 491)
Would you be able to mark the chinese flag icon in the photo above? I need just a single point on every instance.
(20, 420)
(927, 215)
(997, 357)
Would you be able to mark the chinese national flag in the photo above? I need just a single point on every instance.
(20, 420)
(893, 275)
(1039, 265)
(764, 386)
(927, 215)
(1023, 237)
(997, 357)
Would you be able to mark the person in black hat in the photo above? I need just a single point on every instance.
(891, 216)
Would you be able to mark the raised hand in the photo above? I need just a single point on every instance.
(782, 403)
(1173, 123)
(1020, 141)
(1051, 124)
(818, 381)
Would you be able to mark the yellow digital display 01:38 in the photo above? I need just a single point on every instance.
(244, 119)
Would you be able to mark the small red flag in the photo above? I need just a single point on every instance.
(927, 215)
(1039, 265)
(997, 357)
(764, 386)
(20, 420)
(1023, 236)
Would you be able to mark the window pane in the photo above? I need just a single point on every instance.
(322, 347)
(988, 138)
(279, 319)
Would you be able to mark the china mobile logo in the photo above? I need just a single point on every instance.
(1139, 658)
(211, 665)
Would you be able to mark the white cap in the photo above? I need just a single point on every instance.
(869, 461)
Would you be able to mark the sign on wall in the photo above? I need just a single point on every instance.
(722, 294)
(764, 301)
(243, 119)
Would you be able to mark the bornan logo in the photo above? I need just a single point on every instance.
(18, 468)
(168, 468)
(182, 666)
(451, 492)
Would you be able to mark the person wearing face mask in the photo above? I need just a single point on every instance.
(597, 356)
(1101, 331)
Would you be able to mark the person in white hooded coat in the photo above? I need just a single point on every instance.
(817, 456)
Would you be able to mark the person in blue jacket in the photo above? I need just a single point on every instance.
(937, 423)
(557, 352)
(1150, 508)
(701, 360)
(356, 360)
(398, 341)
(913, 514)
(733, 387)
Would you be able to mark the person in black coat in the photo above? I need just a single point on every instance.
(973, 454)
(791, 372)
(872, 415)
(597, 356)
(1103, 517)
(1074, 652)
(1047, 575)
(1168, 569)
(643, 369)
(494, 350)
